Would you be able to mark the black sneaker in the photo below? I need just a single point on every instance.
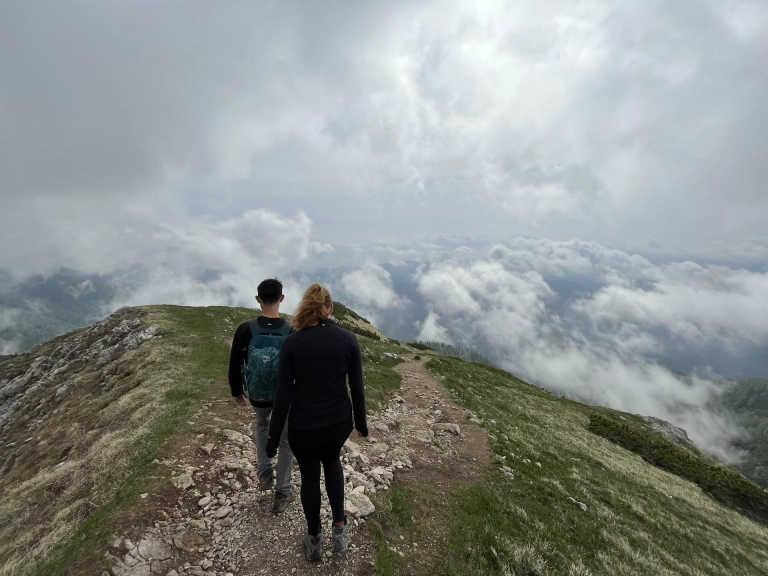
(281, 502)
(266, 481)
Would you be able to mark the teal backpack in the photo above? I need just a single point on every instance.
(260, 371)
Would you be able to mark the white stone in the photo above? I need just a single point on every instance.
(448, 427)
(579, 504)
(237, 437)
(351, 448)
(151, 549)
(379, 449)
(223, 512)
(188, 541)
(183, 482)
(362, 503)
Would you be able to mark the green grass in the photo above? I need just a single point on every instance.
(394, 518)
(724, 485)
(340, 309)
(197, 354)
(640, 520)
(379, 377)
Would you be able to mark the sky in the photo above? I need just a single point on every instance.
(495, 151)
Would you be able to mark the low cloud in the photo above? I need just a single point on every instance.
(431, 331)
(606, 344)
(9, 319)
(203, 263)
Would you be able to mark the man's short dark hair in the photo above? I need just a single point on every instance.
(270, 291)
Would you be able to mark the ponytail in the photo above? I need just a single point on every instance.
(314, 307)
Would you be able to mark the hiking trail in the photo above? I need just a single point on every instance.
(204, 516)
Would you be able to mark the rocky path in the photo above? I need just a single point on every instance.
(212, 521)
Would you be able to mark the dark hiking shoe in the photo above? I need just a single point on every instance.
(341, 538)
(266, 481)
(281, 502)
(314, 547)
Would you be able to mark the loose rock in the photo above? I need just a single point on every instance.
(183, 482)
(362, 503)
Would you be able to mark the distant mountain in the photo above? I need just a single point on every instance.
(40, 307)
(748, 399)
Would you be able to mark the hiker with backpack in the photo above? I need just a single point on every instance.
(315, 362)
(253, 369)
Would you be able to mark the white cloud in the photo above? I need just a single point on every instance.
(199, 262)
(370, 286)
(320, 248)
(431, 331)
(9, 317)
(603, 345)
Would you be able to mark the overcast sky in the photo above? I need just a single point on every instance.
(500, 146)
(640, 126)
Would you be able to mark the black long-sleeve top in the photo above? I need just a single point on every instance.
(239, 354)
(312, 382)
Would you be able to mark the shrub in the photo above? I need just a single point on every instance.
(419, 346)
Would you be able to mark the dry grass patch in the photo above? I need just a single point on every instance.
(78, 455)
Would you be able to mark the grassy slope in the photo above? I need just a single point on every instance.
(639, 520)
(167, 376)
(192, 353)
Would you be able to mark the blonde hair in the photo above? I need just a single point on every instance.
(314, 307)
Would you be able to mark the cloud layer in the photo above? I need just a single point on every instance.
(634, 126)
(612, 340)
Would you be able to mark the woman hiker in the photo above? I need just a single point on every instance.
(311, 392)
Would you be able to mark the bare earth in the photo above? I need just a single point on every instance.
(212, 520)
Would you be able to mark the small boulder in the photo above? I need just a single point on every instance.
(448, 427)
(379, 449)
(352, 449)
(362, 503)
(188, 541)
(223, 512)
(237, 437)
(183, 482)
(151, 549)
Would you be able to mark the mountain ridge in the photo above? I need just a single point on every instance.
(75, 458)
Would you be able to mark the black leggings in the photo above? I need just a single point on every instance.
(312, 448)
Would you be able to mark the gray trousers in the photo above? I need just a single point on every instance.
(284, 454)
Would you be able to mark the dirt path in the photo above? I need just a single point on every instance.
(212, 521)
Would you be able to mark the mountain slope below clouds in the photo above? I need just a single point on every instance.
(748, 399)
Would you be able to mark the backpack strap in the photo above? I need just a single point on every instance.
(283, 331)
(253, 324)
